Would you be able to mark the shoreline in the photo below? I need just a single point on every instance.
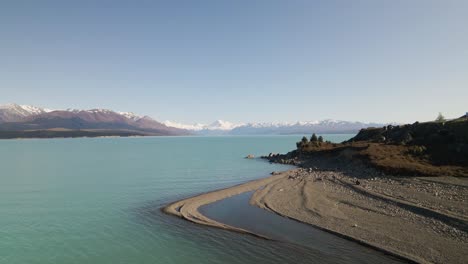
(330, 201)
(188, 209)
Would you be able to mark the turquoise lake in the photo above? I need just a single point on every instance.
(97, 200)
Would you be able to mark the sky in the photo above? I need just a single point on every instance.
(241, 61)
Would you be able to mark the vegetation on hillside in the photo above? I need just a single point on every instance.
(430, 148)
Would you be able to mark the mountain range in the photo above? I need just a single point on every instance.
(103, 122)
(14, 117)
(327, 126)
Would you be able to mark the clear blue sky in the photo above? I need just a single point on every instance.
(242, 61)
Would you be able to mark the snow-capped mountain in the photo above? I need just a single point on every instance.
(303, 127)
(14, 117)
(15, 112)
(26, 117)
(275, 128)
(220, 125)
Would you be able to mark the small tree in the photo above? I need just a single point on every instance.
(313, 138)
(440, 118)
(304, 140)
(320, 139)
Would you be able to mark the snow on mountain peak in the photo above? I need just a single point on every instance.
(15, 112)
(130, 115)
(24, 110)
(226, 126)
(35, 110)
(222, 125)
(298, 127)
(29, 110)
(194, 127)
(216, 125)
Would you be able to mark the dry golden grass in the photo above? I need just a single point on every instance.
(398, 159)
(393, 159)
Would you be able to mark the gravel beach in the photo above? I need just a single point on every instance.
(423, 219)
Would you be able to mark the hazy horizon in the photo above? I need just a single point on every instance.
(243, 61)
(194, 125)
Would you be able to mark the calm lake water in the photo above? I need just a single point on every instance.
(97, 200)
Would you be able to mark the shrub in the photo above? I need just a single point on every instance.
(320, 139)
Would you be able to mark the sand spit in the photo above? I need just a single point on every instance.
(188, 208)
(420, 219)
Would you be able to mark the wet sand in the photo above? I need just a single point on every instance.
(188, 208)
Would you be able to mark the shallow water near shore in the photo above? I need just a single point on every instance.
(97, 200)
(327, 248)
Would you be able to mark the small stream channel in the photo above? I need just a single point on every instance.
(326, 248)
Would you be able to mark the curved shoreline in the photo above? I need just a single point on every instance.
(332, 202)
(188, 209)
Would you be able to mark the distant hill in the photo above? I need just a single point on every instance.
(101, 122)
